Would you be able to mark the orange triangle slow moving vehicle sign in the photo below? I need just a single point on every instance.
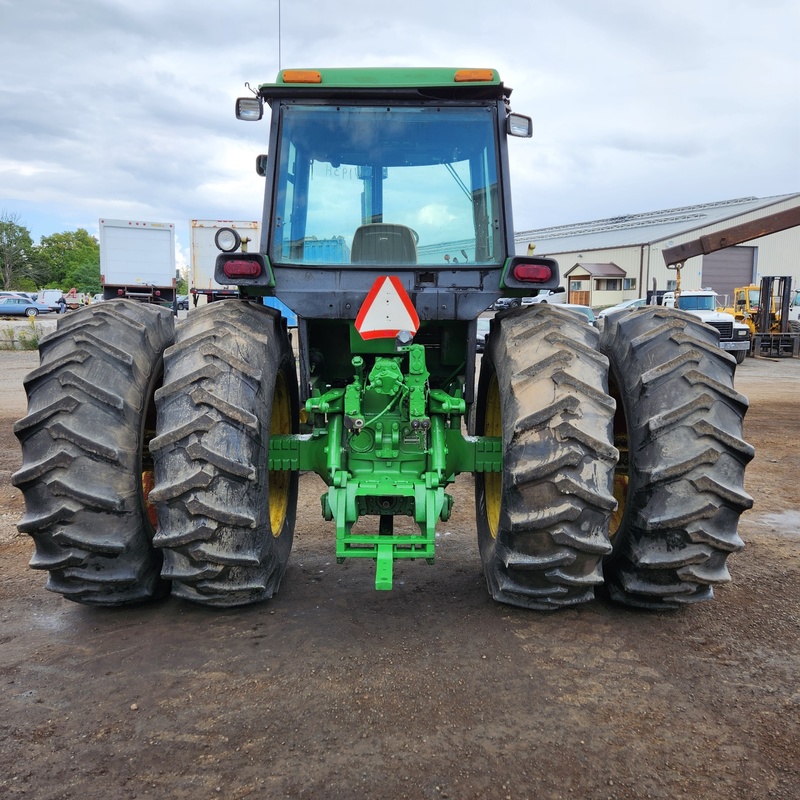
(387, 310)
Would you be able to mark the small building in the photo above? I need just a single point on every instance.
(610, 260)
(596, 284)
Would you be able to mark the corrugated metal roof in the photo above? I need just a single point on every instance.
(639, 229)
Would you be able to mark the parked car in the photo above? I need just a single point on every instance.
(22, 307)
(586, 311)
(506, 302)
(625, 304)
(23, 295)
(557, 295)
(483, 332)
(182, 302)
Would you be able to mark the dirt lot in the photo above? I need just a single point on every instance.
(332, 690)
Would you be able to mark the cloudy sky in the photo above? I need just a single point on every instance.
(124, 108)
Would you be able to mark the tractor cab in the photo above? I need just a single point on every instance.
(383, 171)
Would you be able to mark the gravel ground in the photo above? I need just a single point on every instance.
(332, 690)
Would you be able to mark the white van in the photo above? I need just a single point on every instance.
(50, 297)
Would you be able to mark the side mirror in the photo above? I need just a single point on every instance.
(261, 164)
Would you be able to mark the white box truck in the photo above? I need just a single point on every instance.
(203, 288)
(137, 260)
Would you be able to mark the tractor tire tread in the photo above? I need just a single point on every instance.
(558, 460)
(684, 427)
(81, 452)
(209, 446)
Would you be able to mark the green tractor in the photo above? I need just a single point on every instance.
(162, 457)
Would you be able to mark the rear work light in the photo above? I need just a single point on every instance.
(236, 268)
(532, 273)
(519, 125)
(249, 109)
(227, 240)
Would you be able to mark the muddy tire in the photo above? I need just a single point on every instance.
(543, 522)
(680, 480)
(85, 458)
(794, 326)
(225, 521)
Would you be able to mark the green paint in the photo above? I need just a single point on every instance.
(386, 444)
(386, 77)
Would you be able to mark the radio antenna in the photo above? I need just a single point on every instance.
(279, 35)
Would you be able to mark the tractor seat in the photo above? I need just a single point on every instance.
(380, 243)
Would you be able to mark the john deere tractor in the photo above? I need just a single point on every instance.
(164, 457)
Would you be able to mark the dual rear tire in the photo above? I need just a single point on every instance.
(96, 463)
(623, 459)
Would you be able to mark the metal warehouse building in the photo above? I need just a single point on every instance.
(610, 260)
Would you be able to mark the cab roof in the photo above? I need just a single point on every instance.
(406, 82)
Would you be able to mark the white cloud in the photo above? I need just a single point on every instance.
(435, 215)
(114, 108)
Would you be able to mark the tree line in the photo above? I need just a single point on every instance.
(59, 261)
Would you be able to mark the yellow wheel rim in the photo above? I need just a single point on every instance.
(279, 479)
(622, 472)
(621, 496)
(493, 481)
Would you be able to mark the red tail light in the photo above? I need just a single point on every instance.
(242, 269)
(532, 273)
